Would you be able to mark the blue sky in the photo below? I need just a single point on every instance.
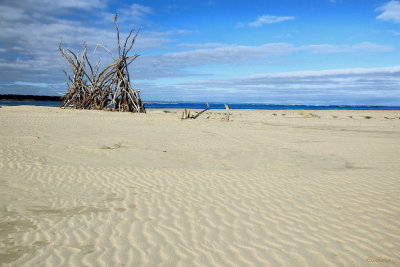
(279, 52)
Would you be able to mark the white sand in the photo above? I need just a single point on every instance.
(93, 188)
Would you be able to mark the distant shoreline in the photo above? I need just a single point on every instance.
(12, 97)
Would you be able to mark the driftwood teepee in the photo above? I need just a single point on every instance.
(110, 88)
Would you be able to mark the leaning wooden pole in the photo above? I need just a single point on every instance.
(186, 114)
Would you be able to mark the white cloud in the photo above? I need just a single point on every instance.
(45, 85)
(199, 45)
(75, 4)
(365, 47)
(173, 64)
(267, 19)
(136, 12)
(390, 11)
(386, 71)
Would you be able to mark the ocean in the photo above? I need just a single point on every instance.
(198, 105)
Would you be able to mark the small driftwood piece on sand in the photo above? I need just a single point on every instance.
(107, 89)
(186, 114)
(228, 108)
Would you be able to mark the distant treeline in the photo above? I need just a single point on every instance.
(30, 98)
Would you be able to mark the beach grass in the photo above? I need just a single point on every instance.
(314, 115)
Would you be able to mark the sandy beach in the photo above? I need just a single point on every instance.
(267, 188)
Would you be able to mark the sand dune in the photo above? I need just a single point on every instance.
(268, 188)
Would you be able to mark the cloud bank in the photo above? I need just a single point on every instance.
(29, 37)
(361, 86)
(175, 64)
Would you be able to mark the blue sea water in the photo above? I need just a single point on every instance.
(194, 105)
(30, 103)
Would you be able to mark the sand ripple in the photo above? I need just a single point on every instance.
(276, 199)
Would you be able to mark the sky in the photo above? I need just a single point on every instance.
(317, 52)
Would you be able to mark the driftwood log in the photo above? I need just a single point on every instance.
(186, 114)
(107, 89)
(227, 108)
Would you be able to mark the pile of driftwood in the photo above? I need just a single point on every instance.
(186, 114)
(108, 89)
